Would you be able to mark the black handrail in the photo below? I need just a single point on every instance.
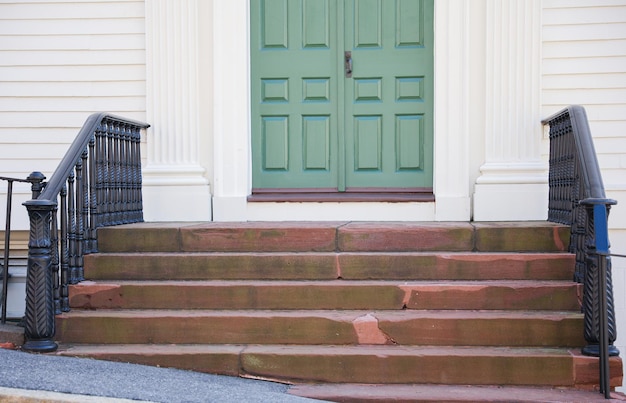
(98, 183)
(577, 199)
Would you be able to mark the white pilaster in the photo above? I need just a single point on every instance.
(451, 178)
(175, 183)
(231, 122)
(513, 181)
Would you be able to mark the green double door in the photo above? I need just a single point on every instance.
(342, 95)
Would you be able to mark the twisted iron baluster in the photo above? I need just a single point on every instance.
(100, 173)
(54, 260)
(65, 257)
(136, 158)
(72, 230)
(80, 220)
(109, 176)
(117, 180)
(124, 183)
(90, 241)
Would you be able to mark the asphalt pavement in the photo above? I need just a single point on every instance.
(29, 377)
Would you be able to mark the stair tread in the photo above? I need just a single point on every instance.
(330, 265)
(349, 236)
(381, 350)
(447, 393)
(330, 313)
(336, 283)
(451, 254)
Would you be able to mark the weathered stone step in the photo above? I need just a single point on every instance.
(354, 393)
(369, 364)
(329, 266)
(334, 236)
(329, 294)
(404, 327)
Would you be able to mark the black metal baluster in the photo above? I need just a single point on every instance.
(124, 184)
(136, 158)
(100, 169)
(109, 175)
(117, 178)
(91, 244)
(83, 211)
(72, 231)
(54, 261)
(64, 255)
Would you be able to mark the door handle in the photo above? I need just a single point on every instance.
(348, 63)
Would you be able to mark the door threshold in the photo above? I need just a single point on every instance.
(390, 195)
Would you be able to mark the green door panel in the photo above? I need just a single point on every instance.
(388, 114)
(313, 126)
(293, 91)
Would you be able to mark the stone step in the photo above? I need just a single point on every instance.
(343, 302)
(403, 327)
(355, 393)
(369, 364)
(329, 266)
(334, 236)
(326, 294)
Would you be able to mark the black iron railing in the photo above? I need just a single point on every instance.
(97, 184)
(577, 199)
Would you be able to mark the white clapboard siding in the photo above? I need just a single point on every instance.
(60, 61)
(584, 62)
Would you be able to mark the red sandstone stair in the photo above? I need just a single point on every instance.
(338, 303)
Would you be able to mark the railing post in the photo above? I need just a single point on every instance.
(39, 315)
(598, 307)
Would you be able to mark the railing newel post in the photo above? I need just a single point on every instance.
(39, 315)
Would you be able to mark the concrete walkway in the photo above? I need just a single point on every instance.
(26, 377)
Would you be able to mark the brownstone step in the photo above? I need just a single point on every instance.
(369, 364)
(467, 328)
(328, 266)
(333, 294)
(354, 393)
(334, 236)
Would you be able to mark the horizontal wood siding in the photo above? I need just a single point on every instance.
(59, 62)
(584, 62)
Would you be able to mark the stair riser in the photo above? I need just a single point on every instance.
(319, 237)
(346, 365)
(312, 295)
(373, 369)
(320, 330)
(370, 369)
(329, 266)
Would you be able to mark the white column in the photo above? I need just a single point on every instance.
(175, 183)
(452, 128)
(513, 181)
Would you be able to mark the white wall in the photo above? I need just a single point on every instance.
(584, 62)
(59, 62)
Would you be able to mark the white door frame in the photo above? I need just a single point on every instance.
(478, 173)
